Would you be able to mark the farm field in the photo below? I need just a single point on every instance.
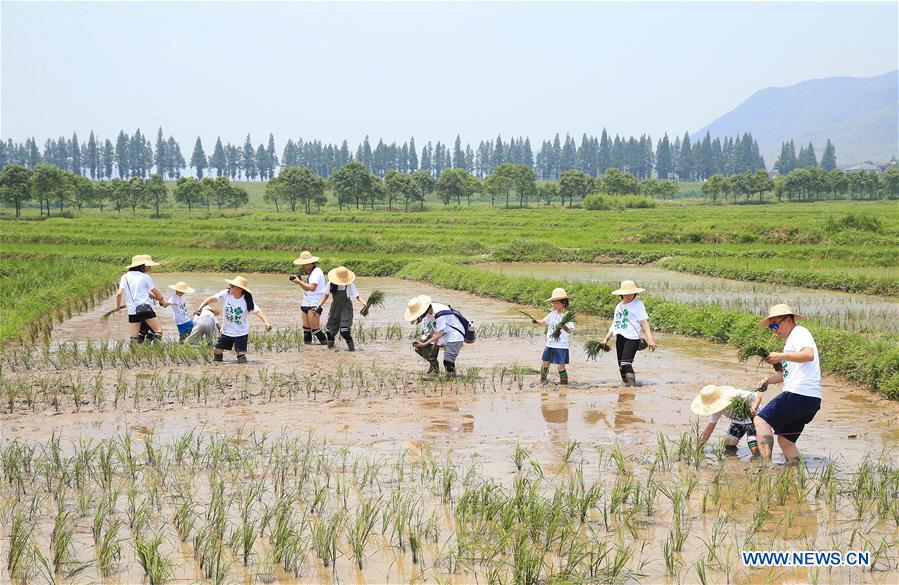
(313, 466)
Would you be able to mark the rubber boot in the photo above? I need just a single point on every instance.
(450, 369)
(218, 357)
(434, 369)
(630, 379)
(544, 374)
(563, 377)
(330, 340)
(320, 336)
(349, 340)
(307, 336)
(242, 359)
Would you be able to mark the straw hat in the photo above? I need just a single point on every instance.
(240, 282)
(417, 307)
(142, 260)
(559, 294)
(181, 287)
(213, 310)
(306, 258)
(713, 399)
(628, 288)
(341, 276)
(779, 311)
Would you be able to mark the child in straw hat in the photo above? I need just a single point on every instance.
(314, 291)
(717, 401)
(340, 316)
(556, 350)
(630, 319)
(441, 329)
(237, 302)
(179, 308)
(137, 292)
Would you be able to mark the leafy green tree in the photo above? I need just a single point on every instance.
(249, 159)
(399, 186)
(889, 182)
(498, 185)
(137, 194)
(92, 158)
(761, 183)
(15, 186)
(549, 191)
(617, 182)
(120, 194)
(75, 155)
(667, 188)
(837, 182)
(237, 196)
(829, 157)
(81, 190)
(122, 155)
(188, 192)
(714, 186)
(217, 160)
(107, 159)
(426, 185)
(574, 184)
(156, 191)
(522, 180)
(807, 158)
(351, 183)
(48, 183)
(102, 193)
(664, 166)
(454, 184)
(787, 160)
(295, 185)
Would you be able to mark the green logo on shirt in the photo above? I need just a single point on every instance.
(233, 314)
(621, 319)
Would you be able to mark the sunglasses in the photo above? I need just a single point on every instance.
(775, 326)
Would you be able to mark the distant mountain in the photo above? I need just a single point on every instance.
(860, 115)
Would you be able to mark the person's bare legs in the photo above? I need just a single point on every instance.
(765, 435)
(790, 451)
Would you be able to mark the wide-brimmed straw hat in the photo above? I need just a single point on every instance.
(214, 311)
(713, 399)
(628, 288)
(142, 260)
(341, 275)
(779, 311)
(181, 287)
(417, 307)
(240, 282)
(559, 294)
(306, 258)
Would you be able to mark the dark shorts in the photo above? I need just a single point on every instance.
(138, 317)
(226, 342)
(307, 309)
(788, 414)
(555, 355)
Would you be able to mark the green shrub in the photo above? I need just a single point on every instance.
(853, 221)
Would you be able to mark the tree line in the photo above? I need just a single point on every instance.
(806, 184)
(137, 156)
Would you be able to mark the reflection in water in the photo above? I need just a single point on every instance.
(555, 413)
(624, 411)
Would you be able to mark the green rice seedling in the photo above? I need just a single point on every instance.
(755, 349)
(570, 316)
(157, 567)
(19, 541)
(518, 456)
(594, 347)
(359, 530)
(669, 554)
(375, 299)
(109, 549)
(740, 407)
(62, 547)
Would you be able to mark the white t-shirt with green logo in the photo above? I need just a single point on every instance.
(802, 378)
(551, 320)
(179, 309)
(627, 319)
(234, 314)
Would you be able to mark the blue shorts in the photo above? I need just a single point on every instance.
(555, 355)
(788, 414)
(185, 327)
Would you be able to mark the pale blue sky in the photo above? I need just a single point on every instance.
(343, 70)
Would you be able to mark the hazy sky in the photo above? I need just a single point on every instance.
(343, 70)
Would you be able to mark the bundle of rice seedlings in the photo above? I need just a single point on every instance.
(107, 315)
(529, 316)
(569, 316)
(594, 347)
(740, 407)
(754, 349)
(375, 299)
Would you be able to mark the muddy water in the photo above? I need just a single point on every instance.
(853, 311)
(482, 426)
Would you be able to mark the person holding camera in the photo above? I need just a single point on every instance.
(313, 291)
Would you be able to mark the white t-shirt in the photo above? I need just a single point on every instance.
(804, 378)
(179, 309)
(234, 312)
(449, 324)
(137, 287)
(311, 298)
(749, 395)
(627, 319)
(552, 319)
(351, 291)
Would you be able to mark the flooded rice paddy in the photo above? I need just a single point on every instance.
(855, 312)
(307, 463)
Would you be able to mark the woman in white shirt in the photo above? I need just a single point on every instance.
(137, 292)
(630, 320)
(237, 302)
(314, 291)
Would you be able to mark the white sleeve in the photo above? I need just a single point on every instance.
(256, 307)
(221, 295)
(804, 339)
(715, 417)
(640, 312)
(352, 291)
(548, 315)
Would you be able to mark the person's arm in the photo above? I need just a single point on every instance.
(208, 301)
(120, 299)
(807, 354)
(157, 296)
(261, 315)
(322, 302)
(775, 378)
(648, 332)
(756, 402)
(307, 286)
(707, 433)
(432, 340)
